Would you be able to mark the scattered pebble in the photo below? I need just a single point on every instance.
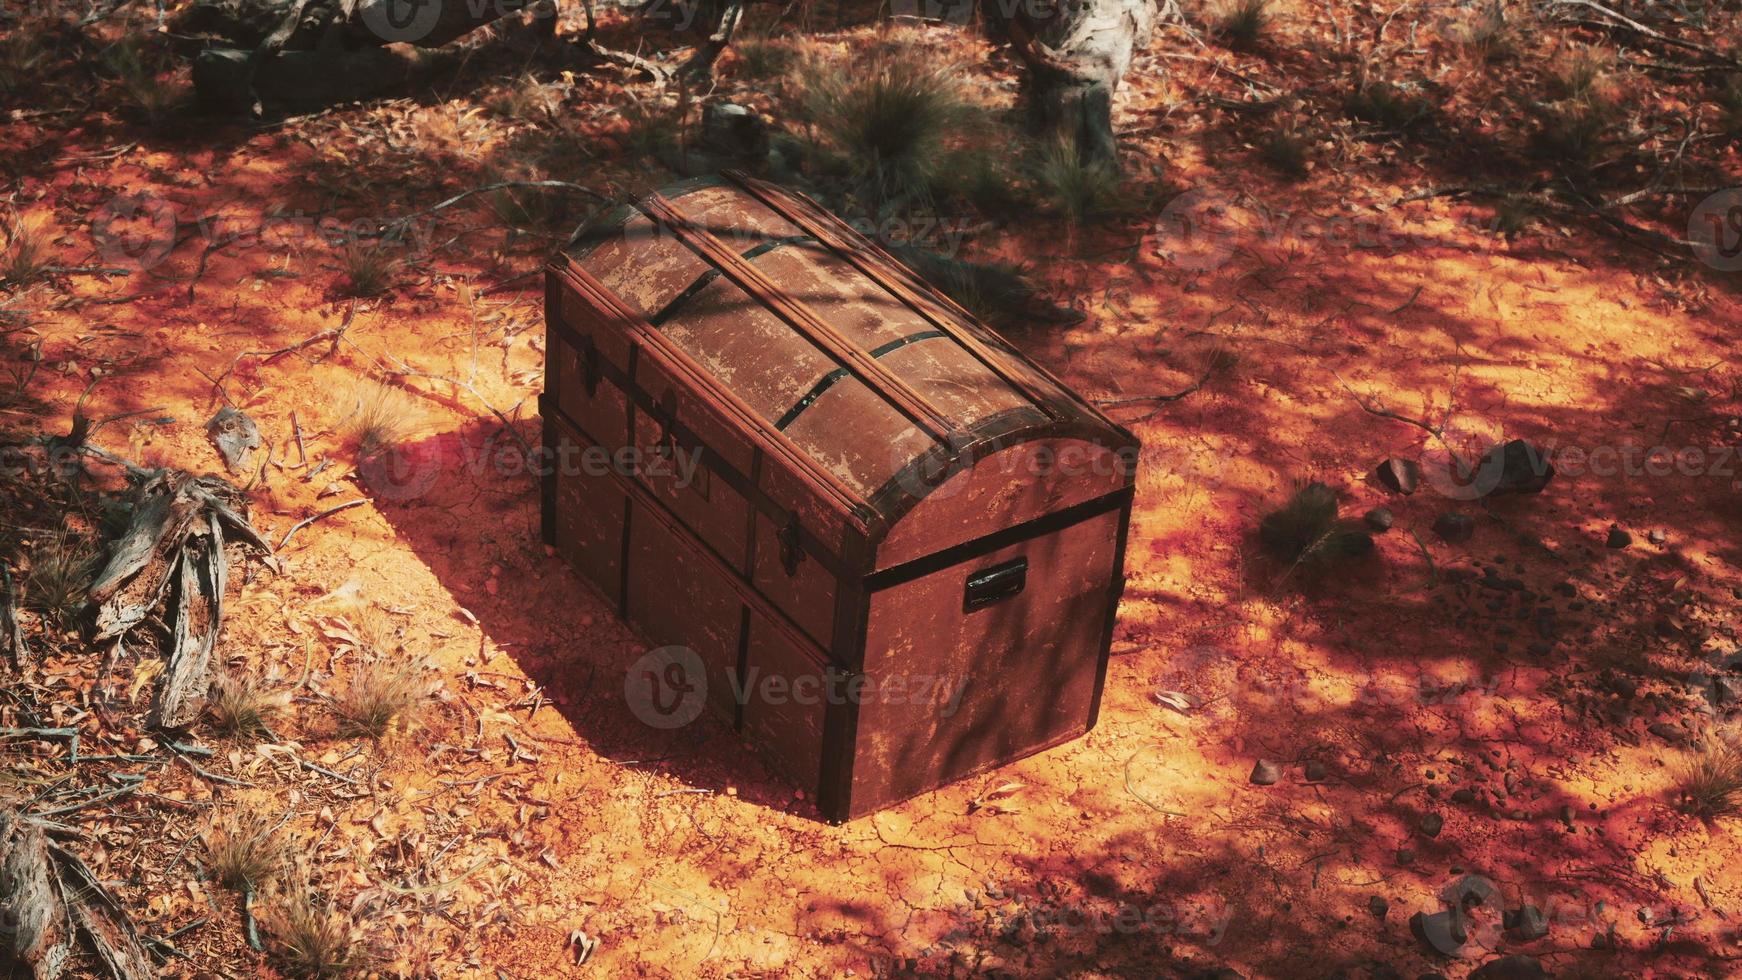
(1618, 538)
(1399, 475)
(1265, 773)
(1454, 528)
(1432, 823)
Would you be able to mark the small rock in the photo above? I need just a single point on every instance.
(1378, 906)
(1618, 538)
(1440, 932)
(1657, 537)
(235, 435)
(733, 130)
(1516, 467)
(1464, 795)
(1405, 856)
(1668, 732)
(1432, 823)
(1399, 475)
(1454, 528)
(1526, 923)
(1379, 519)
(1266, 773)
(1315, 771)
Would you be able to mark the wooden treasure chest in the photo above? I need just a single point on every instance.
(891, 544)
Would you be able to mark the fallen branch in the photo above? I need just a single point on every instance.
(48, 897)
(332, 334)
(1654, 34)
(11, 633)
(305, 522)
(1218, 360)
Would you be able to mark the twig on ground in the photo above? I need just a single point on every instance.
(305, 522)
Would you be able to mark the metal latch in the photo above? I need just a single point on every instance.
(995, 584)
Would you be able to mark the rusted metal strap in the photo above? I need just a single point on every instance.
(702, 281)
(858, 361)
(886, 271)
(829, 380)
(748, 486)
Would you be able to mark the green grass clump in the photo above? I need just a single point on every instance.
(59, 575)
(140, 79)
(1307, 532)
(1389, 105)
(1240, 24)
(898, 115)
(1080, 190)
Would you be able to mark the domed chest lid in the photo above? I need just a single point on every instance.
(870, 372)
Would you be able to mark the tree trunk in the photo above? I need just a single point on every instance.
(1077, 51)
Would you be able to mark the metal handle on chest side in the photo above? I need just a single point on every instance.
(992, 585)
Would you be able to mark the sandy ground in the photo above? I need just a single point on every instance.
(502, 821)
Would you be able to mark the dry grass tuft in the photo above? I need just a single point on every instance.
(381, 694)
(1709, 785)
(1489, 33)
(1581, 71)
(1080, 190)
(140, 78)
(242, 705)
(369, 269)
(313, 939)
(26, 255)
(760, 58)
(899, 115)
(246, 849)
(380, 419)
(1285, 150)
(21, 55)
(60, 571)
(526, 99)
(1240, 24)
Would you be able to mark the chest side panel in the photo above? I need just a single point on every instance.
(986, 660)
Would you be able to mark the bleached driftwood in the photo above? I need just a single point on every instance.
(50, 898)
(173, 554)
